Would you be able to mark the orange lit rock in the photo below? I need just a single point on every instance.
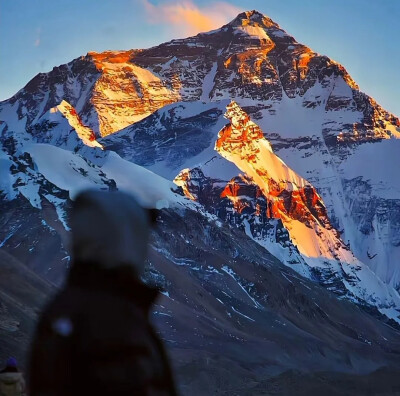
(102, 58)
(125, 93)
(302, 64)
(286, 195)
(183, 180)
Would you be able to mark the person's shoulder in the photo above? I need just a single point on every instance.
(67, 298)
(66, 303)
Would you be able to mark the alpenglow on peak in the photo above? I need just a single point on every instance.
(252, 18)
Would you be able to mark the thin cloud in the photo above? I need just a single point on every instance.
(186, 18)
(37, 39)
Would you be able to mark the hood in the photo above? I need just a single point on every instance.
(110, 230)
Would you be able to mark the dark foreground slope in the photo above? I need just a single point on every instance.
(235, 320)
(22, 295)
(381, 382)
(234, 317)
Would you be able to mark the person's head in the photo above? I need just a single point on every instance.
(11, 362)
(110, 230)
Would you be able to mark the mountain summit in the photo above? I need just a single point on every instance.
(253, 18)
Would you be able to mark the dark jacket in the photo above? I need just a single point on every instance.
(95, 339)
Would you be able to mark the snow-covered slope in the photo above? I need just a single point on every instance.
(289, 197)
(268, 190)
(84, 133)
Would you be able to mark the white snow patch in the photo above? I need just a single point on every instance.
(208, 83)
(242, 314)
(252, 31)
(232, 274)
(379, 165)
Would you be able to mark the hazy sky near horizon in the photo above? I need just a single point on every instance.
(362, 35)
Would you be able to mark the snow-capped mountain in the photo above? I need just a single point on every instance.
(242, 132)
(310, 110)
(251, 58)
(269, 199)
(307, 106)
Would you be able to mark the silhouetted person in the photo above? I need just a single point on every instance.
(12, 382)
(95, 337)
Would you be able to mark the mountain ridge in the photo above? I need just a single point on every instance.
(93, 115)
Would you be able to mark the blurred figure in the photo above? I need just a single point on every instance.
(95, 337)
(12, 382)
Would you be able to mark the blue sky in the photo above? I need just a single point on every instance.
(363, 35)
